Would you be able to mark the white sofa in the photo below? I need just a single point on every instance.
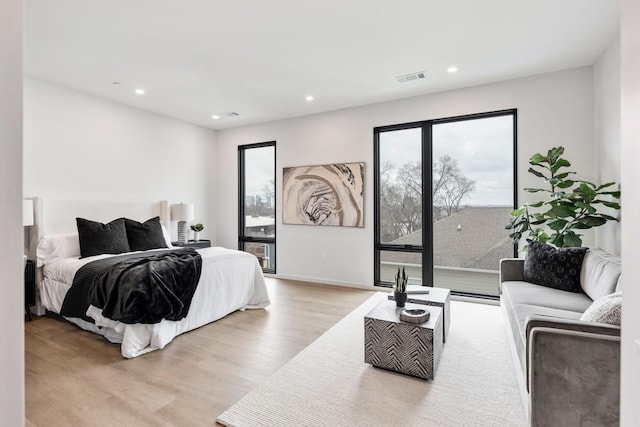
(569, 369)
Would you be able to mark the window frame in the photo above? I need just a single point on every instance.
(426, 249)
(242, 238)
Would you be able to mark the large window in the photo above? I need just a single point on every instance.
(452, 235)
(257, 202)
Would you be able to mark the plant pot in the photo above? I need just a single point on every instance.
(400, 297)
(196, 236)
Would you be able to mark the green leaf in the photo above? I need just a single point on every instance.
(586, 206)
(557, 224)
(537, 158)
(554, 154)
(563, 175)
(536, 173)
(609, 217)
(586, 192)
(572, 240)
(592, 221)
(562, 211)
(557, 240)
(603, 186)
(560, 163)
(579, 226)
(565, 184)
(536, 205)
(615, 194)
(517, 212)
(534, 190)
(612, 205)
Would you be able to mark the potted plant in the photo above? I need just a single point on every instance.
(572, 204)
(197, 228)
(400, 289)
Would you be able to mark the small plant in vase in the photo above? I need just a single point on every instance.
(197, 228)
(400, 290)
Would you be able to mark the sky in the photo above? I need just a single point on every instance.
(259, 169)
(483, 148)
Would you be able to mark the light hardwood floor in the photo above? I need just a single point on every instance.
(76, 378)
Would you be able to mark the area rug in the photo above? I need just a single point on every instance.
(328, 383)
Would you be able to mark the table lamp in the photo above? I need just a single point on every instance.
(182, 213)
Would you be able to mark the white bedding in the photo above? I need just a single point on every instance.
(231, 280)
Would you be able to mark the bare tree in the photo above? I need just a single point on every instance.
(401, 195)
(450, 186)
(400, 200)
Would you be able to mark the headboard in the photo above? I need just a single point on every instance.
(58, 215)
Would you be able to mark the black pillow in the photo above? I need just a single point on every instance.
(97, 238)
(554, 268)
(146, 235)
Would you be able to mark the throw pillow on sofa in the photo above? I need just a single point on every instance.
(556, 268)
(606, 309)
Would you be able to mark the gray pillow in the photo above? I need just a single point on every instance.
(606, 309)
(548, 266)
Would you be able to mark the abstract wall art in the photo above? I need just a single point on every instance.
(324, 195)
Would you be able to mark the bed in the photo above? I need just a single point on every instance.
(230, 280)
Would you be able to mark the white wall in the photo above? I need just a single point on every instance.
(553, 109)
(606, 79)
(11, 230)
(78, 145)
(630, 72)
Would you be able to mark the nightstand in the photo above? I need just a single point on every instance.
(29, 286)
(193, 244)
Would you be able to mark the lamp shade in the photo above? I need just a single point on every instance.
(182, 212)
(27, 212)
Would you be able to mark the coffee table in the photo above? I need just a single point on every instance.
(439, 297)
(412, 349)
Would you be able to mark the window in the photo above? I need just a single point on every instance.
(452, 235)
(257, 202)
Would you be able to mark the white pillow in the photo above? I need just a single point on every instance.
(606, 309)
(57, 246)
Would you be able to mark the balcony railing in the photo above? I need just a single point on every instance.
(466, 280)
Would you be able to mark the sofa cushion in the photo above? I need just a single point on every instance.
(600, 273)
(556, 268)
(528, 293)
(607, 309)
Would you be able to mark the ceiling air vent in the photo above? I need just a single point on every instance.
(412, 76)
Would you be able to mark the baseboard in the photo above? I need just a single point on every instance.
(327, 282)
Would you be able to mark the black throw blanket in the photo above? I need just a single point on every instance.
(136, 288)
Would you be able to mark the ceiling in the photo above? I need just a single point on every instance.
(197, 58)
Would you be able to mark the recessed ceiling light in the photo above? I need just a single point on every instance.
(309, 98)
(140, 91)
(452, 69)
(215, 116)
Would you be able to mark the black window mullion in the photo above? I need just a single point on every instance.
(427, 205)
